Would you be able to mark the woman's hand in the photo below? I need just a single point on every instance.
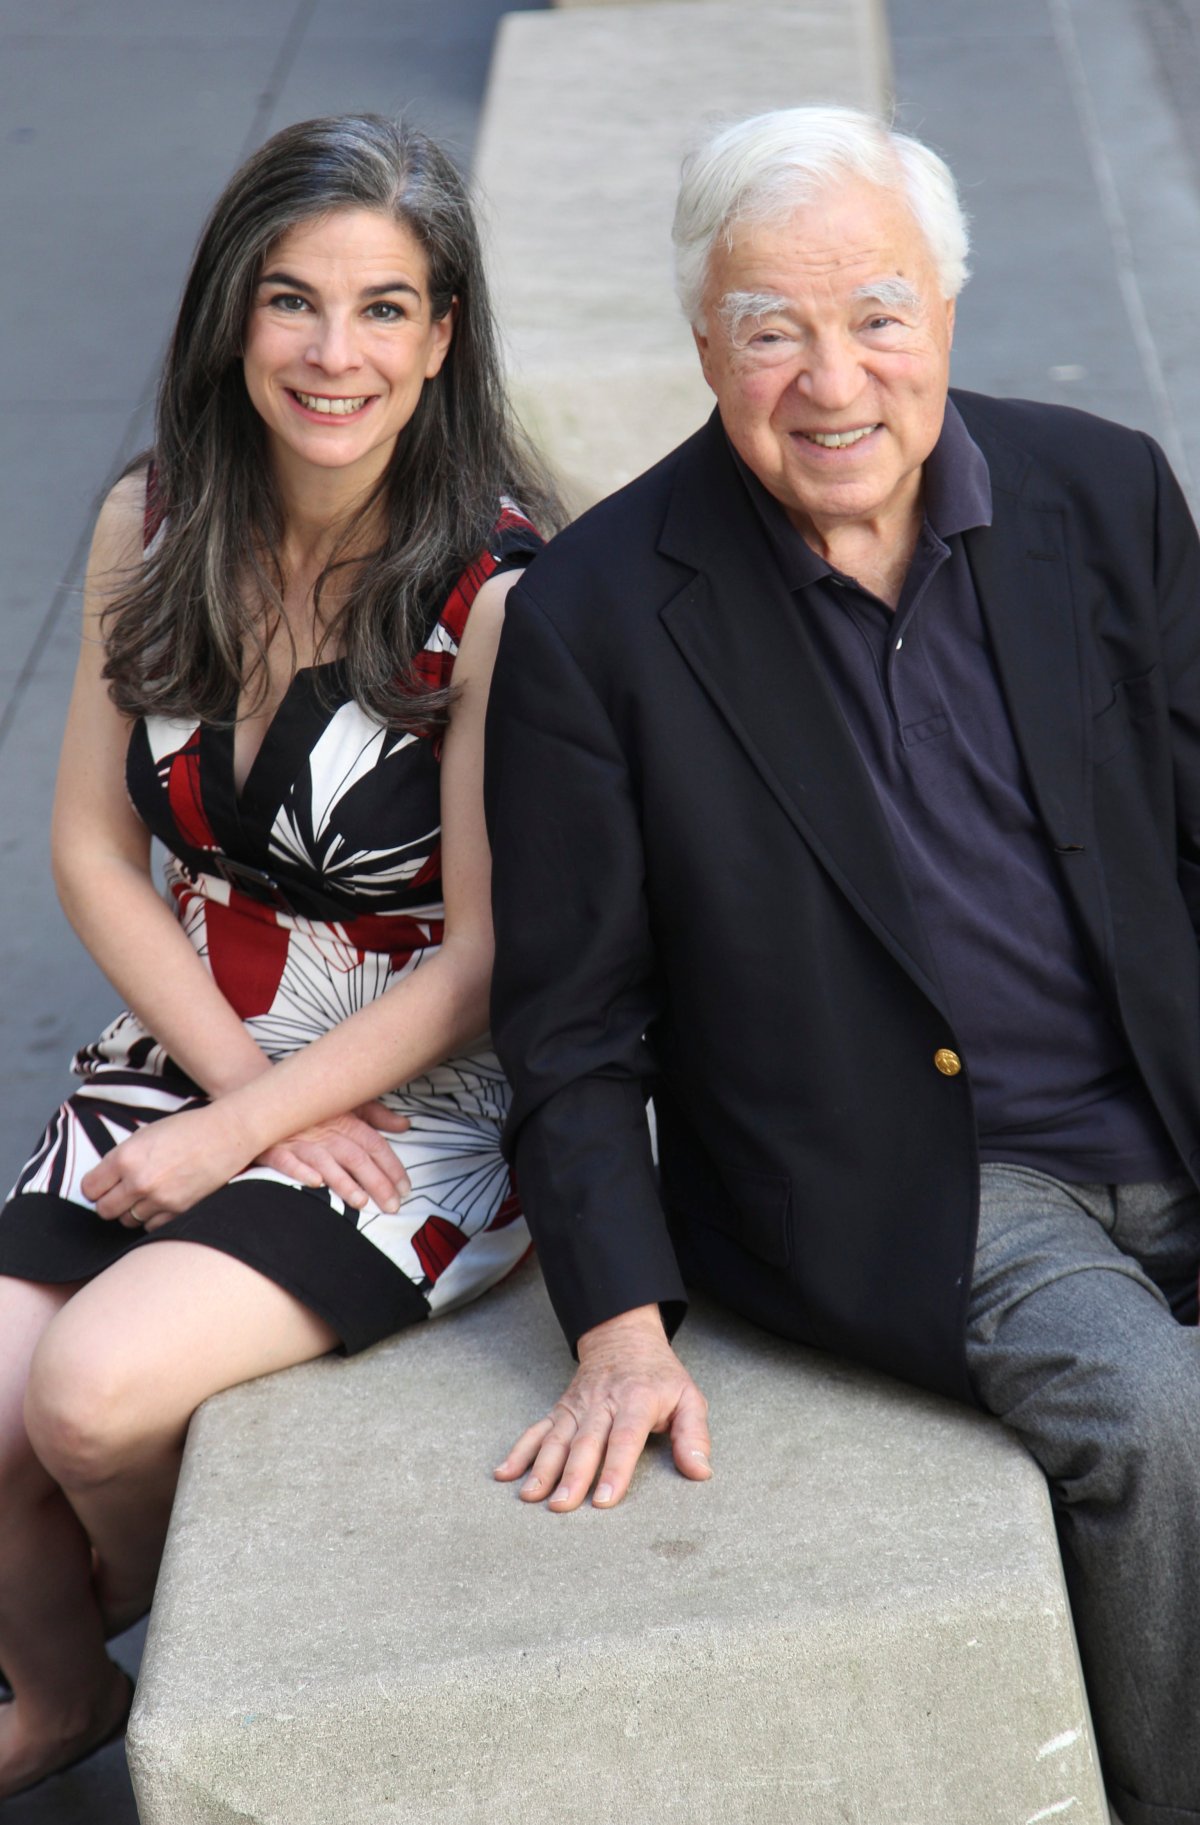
(167, 1166)
(349, 1154)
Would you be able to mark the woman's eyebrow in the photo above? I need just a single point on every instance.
(369, 291)
(284, 278)
(377, 291)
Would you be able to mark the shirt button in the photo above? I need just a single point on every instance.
(947, 1062)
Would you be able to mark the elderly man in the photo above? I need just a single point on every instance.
(844, 778)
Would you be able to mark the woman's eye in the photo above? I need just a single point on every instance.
(289, 303)
(384, 312)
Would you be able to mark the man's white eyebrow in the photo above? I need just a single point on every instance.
(893, 294)
(736, 307)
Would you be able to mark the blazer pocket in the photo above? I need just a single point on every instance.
(1132, 702)
(757, 1213)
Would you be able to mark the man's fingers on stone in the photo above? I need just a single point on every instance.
(626, 1443)
(579, 1471)
(523, 1452)
(547, 1468)
(691, 1445)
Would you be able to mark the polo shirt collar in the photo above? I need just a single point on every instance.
(957, 490)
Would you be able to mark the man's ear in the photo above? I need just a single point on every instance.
(704, 350)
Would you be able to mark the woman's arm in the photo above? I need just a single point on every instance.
(101, 849)
(286, 1116)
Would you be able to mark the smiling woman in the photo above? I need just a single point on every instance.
(340, 341)
(290, 1141)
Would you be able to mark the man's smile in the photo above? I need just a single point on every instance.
(837, 440)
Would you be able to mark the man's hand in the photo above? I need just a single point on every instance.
(629, 1383)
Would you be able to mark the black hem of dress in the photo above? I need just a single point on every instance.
(291, 1236)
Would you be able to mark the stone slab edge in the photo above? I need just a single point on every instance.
(883, 1641)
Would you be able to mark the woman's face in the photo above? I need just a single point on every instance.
(340, 341)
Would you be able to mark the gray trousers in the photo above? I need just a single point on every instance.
(1082, 1338)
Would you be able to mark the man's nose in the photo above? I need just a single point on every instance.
(832, 376)
(334, 345)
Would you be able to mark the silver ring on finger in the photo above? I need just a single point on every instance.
(133, 1212)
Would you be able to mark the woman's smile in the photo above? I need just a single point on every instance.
(341, 340)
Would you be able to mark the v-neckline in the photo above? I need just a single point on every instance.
(288, 738)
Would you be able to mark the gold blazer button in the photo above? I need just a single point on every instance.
(947, 1062)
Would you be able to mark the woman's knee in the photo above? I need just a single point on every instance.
(83, 1415)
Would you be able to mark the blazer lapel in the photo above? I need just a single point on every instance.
(743, 636)
(1023, 581)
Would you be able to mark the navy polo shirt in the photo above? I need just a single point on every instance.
(1053, 1080)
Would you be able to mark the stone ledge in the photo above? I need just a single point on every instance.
(861, 1618)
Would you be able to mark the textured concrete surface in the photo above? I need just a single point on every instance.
(605, 371)
(859, 1621)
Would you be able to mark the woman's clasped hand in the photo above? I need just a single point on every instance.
(167, 1166)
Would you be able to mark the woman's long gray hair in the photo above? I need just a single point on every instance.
(195, 621)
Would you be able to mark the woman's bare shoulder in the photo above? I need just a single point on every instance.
(118, 538)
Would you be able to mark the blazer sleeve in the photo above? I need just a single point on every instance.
(1177, 589)
(575, 986)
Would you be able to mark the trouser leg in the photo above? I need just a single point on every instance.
(1072, 1340)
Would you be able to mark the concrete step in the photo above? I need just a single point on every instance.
(604, 369)
(860, 1619)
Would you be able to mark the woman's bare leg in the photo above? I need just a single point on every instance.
(118, 1374)
(67, 1693)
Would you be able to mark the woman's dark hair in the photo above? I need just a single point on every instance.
(196, 618)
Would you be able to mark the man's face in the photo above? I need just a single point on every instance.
(832, 386)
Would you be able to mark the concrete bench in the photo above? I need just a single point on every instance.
(860, 1619)
(588, 115)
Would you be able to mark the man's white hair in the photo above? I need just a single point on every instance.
(761, 169)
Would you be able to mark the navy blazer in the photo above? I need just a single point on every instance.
(696, 894)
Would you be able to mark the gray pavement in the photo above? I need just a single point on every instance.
(1074, 128)
(1075, 125)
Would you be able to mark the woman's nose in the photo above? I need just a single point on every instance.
(334, 346)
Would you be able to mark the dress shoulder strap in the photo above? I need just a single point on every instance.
(514, 542)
